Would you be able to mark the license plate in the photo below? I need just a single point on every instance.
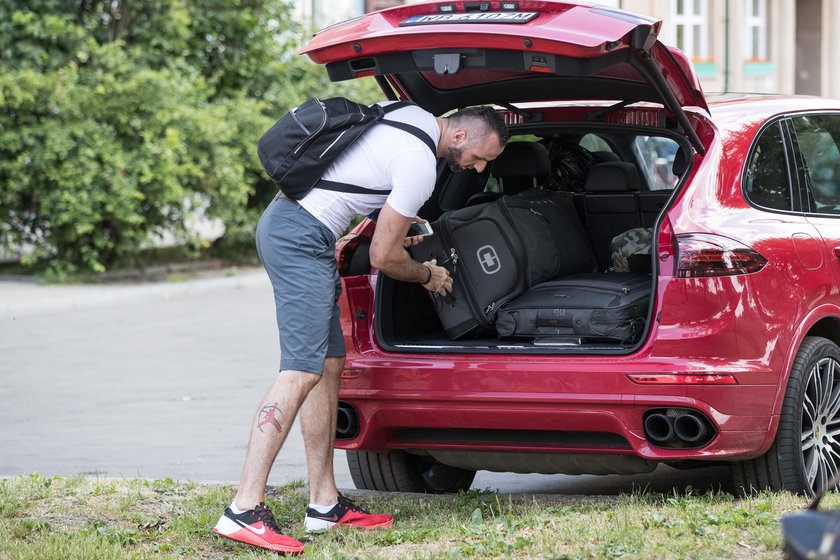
(471, 17)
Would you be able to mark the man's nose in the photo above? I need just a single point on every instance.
(479, 166)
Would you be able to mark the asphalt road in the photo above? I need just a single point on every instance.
(164, 381)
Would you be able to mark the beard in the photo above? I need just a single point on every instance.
(453, 158)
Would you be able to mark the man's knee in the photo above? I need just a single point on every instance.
(297, 380)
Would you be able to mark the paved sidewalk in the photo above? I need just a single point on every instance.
(26, 296)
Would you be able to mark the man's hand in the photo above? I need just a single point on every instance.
(439, 282)
(415, 239)
(388, 254)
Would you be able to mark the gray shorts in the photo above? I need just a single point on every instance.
(298, 252)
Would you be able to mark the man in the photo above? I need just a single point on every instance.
(296, 243)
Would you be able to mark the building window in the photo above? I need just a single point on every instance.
(755, 36)
(689, 24)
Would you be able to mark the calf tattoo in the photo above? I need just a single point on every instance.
(270, 415)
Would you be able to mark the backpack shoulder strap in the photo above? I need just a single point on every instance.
(418, 132)
(397, 105)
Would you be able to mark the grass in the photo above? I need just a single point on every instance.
(82, 518)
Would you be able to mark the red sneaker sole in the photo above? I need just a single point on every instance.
(247, 539)
(377, 526)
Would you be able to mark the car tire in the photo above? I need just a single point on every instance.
(398, 471)
(805, 454)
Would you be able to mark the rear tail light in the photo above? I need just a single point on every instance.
(704, 255)
(350, 246)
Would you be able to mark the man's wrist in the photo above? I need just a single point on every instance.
(429, 268)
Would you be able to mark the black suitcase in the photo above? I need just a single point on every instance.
(496, 251)
(608, 307)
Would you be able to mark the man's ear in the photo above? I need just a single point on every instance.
(459, 136)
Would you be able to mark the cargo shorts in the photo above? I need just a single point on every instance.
(298, 253)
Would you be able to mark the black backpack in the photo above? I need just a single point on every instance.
(301, 146)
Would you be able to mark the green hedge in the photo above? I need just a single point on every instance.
(122, 121)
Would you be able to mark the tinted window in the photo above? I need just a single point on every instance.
(767, 182)
(816, 137)
(656, 156)
(594, 143)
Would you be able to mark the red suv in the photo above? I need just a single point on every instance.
(737, 360)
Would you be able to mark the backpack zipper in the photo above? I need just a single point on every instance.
(337, 138)
(313, 135)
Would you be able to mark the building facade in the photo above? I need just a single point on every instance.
(764, 46)
(756, 46)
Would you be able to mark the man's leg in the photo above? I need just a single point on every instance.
(317, 422)
(271, 425)
(318, 417)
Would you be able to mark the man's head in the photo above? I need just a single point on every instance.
(473, 137)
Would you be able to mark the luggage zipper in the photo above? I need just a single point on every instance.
(312, 136)
(453, 256)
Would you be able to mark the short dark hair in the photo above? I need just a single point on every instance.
(484, 117)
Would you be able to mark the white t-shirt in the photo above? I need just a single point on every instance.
(383, 158)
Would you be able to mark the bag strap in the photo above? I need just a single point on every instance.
(347, 188)
(418, 132)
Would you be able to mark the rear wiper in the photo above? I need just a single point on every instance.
(597, 116)
(527, 115)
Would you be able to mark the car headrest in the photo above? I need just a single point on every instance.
(612, 176)
(523, 159)
(603, 156)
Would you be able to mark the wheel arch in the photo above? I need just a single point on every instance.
(824, 322)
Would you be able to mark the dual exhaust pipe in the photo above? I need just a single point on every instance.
(678, 428)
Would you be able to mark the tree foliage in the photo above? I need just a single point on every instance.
(122, 120)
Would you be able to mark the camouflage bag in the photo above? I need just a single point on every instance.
(632, 243)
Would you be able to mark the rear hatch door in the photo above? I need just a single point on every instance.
(447, 55)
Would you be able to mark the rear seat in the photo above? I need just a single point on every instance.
(609, 205)
(521, 166)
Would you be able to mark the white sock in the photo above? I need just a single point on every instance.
(322, 509)
(236, 510)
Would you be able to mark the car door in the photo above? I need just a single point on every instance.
(818, 149)
(771, 183)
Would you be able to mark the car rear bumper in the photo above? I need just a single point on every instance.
(585, 408)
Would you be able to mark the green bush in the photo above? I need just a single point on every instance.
(122, 121)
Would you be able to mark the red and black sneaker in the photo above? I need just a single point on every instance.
(256, 527)
(344, 512)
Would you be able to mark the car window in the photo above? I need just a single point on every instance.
(656, 156)
(816, 136)
(594, 143)
(767, 180)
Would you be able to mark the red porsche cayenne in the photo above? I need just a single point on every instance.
(731, 207)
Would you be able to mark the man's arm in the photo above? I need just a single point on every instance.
(388, 254)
